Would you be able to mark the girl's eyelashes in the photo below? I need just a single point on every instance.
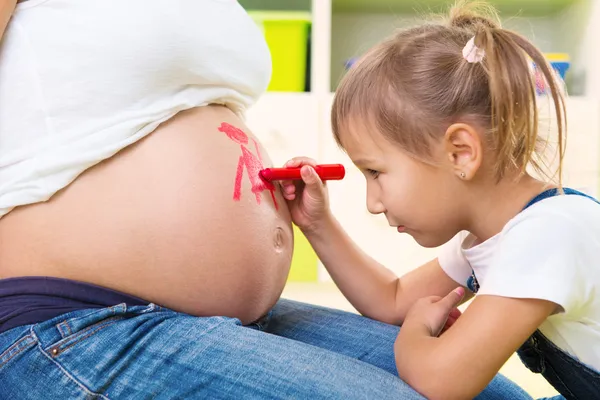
(373, 173)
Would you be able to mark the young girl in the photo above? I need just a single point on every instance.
(442, 120)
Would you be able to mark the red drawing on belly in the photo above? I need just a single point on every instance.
(252, 163)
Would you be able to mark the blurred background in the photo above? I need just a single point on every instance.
(314, 42)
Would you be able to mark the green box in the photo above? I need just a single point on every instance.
(286, 33)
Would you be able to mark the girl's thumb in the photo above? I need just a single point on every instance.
(453, 298)
(311, 179)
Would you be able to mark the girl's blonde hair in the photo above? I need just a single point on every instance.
(414, 85)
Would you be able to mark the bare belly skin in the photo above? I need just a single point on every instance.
(162, 220)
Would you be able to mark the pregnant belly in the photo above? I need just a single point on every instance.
(179, 218)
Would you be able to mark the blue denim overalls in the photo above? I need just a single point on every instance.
(571, 378)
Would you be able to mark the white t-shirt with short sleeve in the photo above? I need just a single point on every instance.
(549, 251)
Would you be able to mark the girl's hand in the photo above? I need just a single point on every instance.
(307, 199)
(435, 313)
(452, 317)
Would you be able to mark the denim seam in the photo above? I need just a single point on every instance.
(121, 308)
(17, 348)
(67, 373)
(86, 333)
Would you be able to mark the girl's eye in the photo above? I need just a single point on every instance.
(373, 173)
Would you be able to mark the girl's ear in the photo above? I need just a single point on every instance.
(463, 147)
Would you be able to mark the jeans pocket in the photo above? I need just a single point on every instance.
(74, 330)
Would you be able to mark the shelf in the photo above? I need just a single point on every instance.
(554, 26)
(287, 5)
(523, 7)
(346, 29)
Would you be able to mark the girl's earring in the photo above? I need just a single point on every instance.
(463, 175)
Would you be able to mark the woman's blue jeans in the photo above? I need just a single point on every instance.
(298, 351)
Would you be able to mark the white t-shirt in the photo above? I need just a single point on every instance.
(549, 251)
(82, 79)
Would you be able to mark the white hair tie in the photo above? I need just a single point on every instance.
(472, 53)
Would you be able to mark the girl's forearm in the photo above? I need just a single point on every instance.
(369, 286)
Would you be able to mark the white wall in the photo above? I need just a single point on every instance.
(575, 34)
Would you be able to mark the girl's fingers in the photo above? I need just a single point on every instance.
(300, 161)
(455, 313)
(289, 187)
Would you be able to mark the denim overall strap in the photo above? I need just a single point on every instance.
(554, 192)
(570, 377)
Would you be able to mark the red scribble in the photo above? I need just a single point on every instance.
(252, 163)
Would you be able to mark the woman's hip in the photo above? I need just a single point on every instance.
(150, 352)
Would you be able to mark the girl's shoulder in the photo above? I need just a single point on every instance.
(570, 214)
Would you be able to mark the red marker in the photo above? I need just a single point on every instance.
(326, 172)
